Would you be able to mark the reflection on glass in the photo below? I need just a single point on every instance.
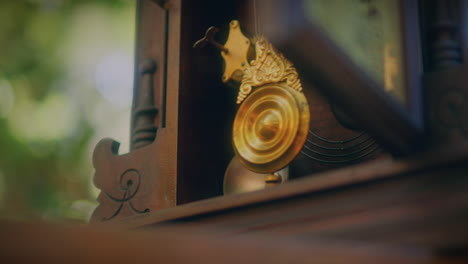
(370, 32)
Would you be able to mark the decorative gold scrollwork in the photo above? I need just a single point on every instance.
(269, 66)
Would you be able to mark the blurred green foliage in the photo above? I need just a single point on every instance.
(48, 106)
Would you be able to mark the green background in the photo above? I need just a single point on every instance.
(65, 82)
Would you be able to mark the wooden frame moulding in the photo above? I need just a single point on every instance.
(144, 179)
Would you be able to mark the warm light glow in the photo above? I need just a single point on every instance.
(114, 75)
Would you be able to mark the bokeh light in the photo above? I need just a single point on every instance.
(66, 73)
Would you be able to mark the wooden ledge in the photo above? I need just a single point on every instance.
(375, 171)
(25, 243)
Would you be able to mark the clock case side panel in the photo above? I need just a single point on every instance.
(144, 180)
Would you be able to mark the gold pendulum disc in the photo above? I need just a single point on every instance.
(271, 127)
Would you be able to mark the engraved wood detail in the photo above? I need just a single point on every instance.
(134, 183)
(128, 180)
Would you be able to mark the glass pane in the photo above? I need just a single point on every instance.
(370, 32)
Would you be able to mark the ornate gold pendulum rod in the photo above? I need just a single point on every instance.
(272, 122)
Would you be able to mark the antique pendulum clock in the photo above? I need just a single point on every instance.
(270, 121)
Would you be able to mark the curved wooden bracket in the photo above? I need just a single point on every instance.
(130, 184)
